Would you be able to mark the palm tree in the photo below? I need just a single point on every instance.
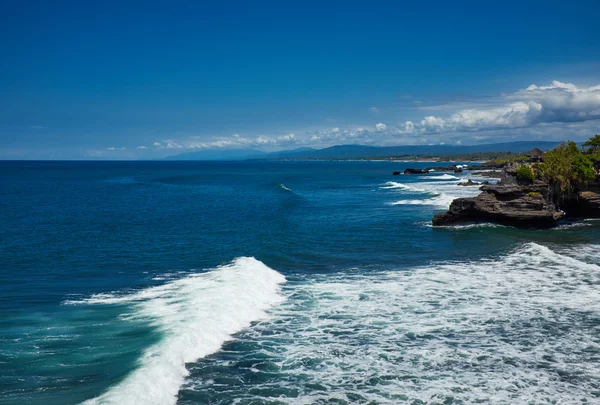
(593, 143)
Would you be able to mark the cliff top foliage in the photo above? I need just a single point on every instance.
(525, 173)
(592, 144)
(568, 168)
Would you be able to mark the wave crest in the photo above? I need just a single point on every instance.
(196, 314)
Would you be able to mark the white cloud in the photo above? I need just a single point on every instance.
(142, 147)
(218, 144)
(111, 148)
(381, 127)
(240, 139)
(287, 138)
(535, 105)
(168, 144)
(235, 141)
(263, 140)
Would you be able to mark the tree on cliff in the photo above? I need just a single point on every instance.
(593, 144)
(566, 169)
(593, 147)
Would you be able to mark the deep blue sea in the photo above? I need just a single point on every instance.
(283, 283)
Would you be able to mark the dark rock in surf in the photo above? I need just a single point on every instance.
(522, 206)
(585, 204)
(590, 204)
(469, 182)
(416, 171)
(496, 174)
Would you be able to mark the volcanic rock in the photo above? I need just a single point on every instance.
(522, 206)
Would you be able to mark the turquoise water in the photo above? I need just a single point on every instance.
(283, 283)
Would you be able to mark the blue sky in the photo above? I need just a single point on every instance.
(123, 80)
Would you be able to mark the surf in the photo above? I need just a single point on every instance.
(443, 177)
(510, 328)
(196, 315)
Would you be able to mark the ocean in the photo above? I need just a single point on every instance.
(283, 282)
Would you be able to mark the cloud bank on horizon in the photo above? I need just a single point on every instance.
(552, 112)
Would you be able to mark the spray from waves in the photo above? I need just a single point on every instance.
(443, 177)
(438, 198)
(284, 188)
(517, 329)
(428, 224)
(443, 188)
(441, 200)
(393, 185)
(197, 314)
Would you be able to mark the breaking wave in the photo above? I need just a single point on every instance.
(393, 185)
(443, 177)
(196, 315)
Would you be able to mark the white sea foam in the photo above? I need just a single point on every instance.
(443, 189)
(443, 177)
(393, 185)
(441, 200)
(197, 314)
(517, 329)
(283, 187)
(428, 224)
(573, 225)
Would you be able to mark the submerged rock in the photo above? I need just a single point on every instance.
(523, 206)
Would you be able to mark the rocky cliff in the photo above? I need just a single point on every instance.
(524, 206)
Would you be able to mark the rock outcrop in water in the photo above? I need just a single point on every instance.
(589, 204)
(470, 182)
(562, 182)
(523, 206)
(585, 204)
(416, 171)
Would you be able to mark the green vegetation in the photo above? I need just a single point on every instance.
(595, 159)
(566, 168)
(525, 173)
(511, 158)
(592, 144)
(534, 194)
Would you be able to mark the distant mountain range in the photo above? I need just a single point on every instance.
(362, 151)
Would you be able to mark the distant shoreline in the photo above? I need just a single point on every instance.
(433, 160)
